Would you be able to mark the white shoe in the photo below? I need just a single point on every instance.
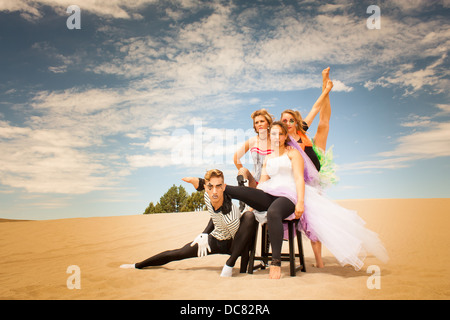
(128, 266)
(227, 272)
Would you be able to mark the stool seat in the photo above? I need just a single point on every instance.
(265, 249)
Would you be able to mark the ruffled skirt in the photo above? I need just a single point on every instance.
(341, 230)
(328, 168)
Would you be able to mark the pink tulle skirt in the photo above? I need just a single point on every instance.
(340, 230)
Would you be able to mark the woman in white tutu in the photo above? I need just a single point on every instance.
(290, 174)
(315, 148)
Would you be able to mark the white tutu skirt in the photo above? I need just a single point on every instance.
(341, 230)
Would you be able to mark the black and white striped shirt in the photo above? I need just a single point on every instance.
(225, 225)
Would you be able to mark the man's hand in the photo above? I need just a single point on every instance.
(203, 245)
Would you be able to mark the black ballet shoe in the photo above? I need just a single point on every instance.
(241, 182)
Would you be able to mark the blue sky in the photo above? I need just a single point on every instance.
(99, 121)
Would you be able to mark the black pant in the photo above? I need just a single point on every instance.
(235, 247)
(278, 209)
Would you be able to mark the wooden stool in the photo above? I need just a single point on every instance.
(266, 254)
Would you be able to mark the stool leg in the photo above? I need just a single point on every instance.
(300, 248)
(291, 248)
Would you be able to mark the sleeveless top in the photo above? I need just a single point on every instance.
(307, 145)
(281, 182)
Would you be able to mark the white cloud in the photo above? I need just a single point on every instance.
(411, 6)
(60, 69)
(30, 9)
(415, 121)
(340, 86)
(201, 146)
(43, 161)
(68, 142)
(52, 203)
(215, 55)
(367, 166)
(65, 144)
(414, 80)
(445, 110)
(428, 140)
(60, 62)
(225, 52)
(150, 160)
(431, 143)
(77, 102)
(329, 7)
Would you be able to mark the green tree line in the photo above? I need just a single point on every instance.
(176, 199)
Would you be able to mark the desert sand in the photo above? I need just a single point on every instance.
(35, 257)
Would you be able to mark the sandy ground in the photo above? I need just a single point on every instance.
(35, 257)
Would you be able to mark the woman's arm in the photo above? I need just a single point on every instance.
(264, 176)
(241, 151)
(297, 170)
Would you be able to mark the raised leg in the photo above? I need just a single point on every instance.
(320, 139)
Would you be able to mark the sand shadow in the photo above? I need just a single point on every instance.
(332, 267)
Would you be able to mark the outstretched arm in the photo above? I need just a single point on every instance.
(240, 153)
(297, 169)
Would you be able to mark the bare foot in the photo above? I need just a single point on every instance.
(325, 75)
(192, 180)
(275, 272)
(317, 249)
(329, 86)
(318, 264)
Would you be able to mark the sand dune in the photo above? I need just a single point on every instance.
(35, 256)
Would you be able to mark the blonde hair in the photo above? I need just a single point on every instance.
(298, 119)
(262, 112)
(213, 173)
